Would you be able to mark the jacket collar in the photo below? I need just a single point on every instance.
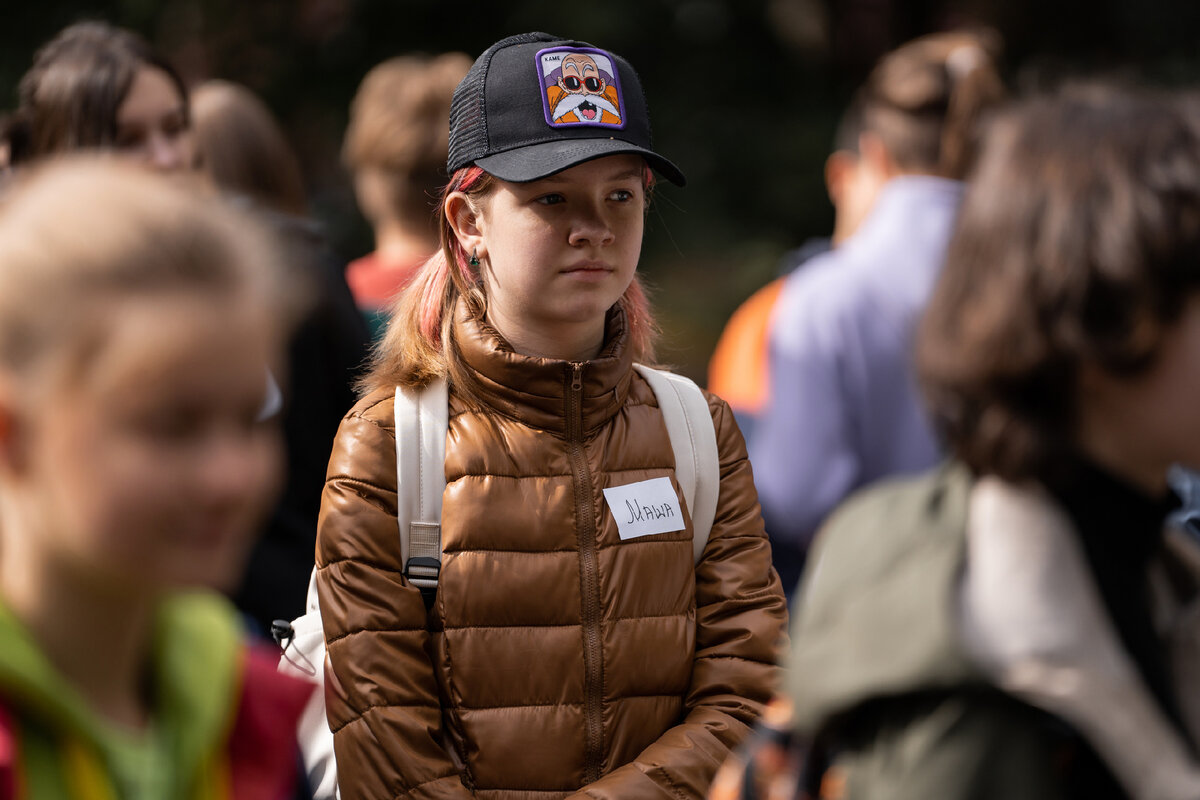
(534, 390)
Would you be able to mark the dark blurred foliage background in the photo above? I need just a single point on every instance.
(745, 95)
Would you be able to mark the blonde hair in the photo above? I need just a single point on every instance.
(80, 232)
(419, 344)
(399, 124)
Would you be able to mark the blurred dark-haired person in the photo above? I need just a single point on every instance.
(96, 86)
(842, 408)
(245, 152)
(395, 146)
(1020, 622)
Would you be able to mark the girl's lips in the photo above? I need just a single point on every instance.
(589, 266)
(589, 271)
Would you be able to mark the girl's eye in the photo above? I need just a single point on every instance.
(551, 199)
(622, 195)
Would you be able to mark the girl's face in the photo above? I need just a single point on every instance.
(148, 470)
(1139, 426)
(152, 123)
(555, 254)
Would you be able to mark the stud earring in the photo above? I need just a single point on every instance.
(474, 262)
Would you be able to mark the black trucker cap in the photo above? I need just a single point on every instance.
(535, 104)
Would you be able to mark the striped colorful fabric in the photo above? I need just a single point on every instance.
(9, 764)
(256, 762)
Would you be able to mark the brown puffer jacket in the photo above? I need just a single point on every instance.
(558, 659)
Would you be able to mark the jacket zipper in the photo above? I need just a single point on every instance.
(593, 653)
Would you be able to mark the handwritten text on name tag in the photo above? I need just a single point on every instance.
(645, 508)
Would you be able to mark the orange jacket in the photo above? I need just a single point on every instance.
(738, 372)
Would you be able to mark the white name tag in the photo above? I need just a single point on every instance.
(645, 508)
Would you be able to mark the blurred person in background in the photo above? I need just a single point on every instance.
(739, 371)
(136, 317)
(98, 87)
(843, 408)
(1021, 622)
(241, 146)
(95, 86)
(395, 147)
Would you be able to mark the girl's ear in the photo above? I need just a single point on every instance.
(465, 219)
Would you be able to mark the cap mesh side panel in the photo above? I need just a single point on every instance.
(468, 113)
(468, 125)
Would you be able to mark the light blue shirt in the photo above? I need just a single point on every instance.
(843, 407)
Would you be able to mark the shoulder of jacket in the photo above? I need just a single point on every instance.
(879, 529)
(909, 504)
(718, 409)
(377, 406)
(875, 614)
(717, 406)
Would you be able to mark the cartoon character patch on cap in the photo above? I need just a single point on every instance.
(579, 87)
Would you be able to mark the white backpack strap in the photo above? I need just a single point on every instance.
(694, 441)
(304, 657)
(422, 417)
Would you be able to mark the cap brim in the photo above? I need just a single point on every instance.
(536, 161)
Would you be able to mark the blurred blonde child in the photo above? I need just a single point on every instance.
(136, 323)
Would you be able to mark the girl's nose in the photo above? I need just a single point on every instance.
(592, 227)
